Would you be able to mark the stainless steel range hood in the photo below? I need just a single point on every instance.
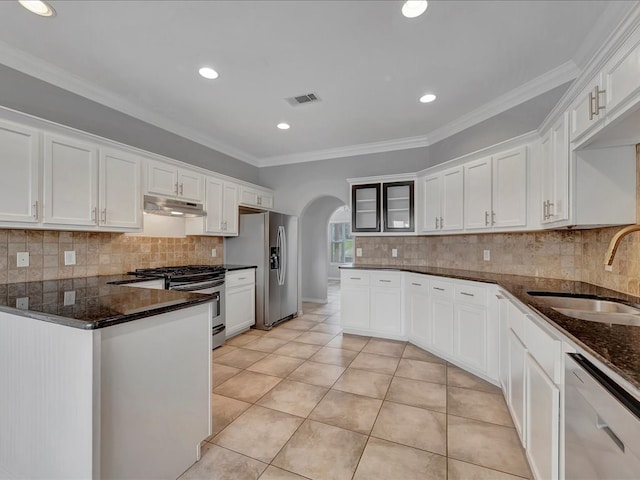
(172, 208)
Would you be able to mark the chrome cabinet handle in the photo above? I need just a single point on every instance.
(441, 223)
(499, 297)
(486, 219)
(549, 206)
(602, 425)
(104, 215)
(493, 217)
(94, 215)
(597, 92)
(438, 288)
(176, 188)
(544, 210)
(182, 189)
(259, 200)
(591, 102)
(467, 294)
(385, 281)
(35, 211)
(437, 227)
(416, 284)
(355, 278)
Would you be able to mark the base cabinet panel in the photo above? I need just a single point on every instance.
(543, 413)
(417, 311)
(386, 310)
(517, 399)
(240, 301)
(442, 320)
(471, 331)
(355, 307)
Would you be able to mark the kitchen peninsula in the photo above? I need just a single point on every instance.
(101, 380)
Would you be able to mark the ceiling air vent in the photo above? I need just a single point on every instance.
(303, 99)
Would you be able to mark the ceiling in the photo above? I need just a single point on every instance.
(366, 62)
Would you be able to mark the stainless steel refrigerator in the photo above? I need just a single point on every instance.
(270, 241)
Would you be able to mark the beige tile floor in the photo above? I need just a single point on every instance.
(304, 401)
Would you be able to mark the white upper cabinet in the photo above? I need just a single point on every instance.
(120, 190)
(510, 189)
(478, 210)
(169, 180)
(588, 111)
(495, 191)
(256, 198)
(555, 172)
(19, 174)
(70, 181)
(221, 205)
(621, 77)
(442, 201)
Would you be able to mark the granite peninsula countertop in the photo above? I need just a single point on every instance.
(617, 346)
(92, 302)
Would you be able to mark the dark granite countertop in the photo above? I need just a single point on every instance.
(617, 346)
(231, 268)
(97, 302)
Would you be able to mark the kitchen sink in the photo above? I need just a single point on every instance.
(590, 308)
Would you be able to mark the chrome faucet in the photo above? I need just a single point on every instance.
(615, 242)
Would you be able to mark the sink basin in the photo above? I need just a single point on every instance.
(590, 308)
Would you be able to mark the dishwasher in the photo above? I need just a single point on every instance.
(602, 425)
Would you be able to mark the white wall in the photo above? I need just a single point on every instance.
(341, 215)
(314, 254)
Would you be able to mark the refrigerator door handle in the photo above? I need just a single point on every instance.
(279, 250)
(283, 254)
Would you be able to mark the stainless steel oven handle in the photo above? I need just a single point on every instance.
(193, 287)
(218, 329)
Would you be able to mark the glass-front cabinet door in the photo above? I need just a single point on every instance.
(365, 207)
(397, 198)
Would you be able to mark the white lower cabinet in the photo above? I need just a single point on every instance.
(533, 390)
(543, 414)
(240, 301)
(442, 316)
(416, 305)
(371, 303)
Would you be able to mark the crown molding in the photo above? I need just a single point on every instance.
(548, 81)
(47, 72)
(350, 151)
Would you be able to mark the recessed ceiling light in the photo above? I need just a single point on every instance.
(284, 126)
(39, 8)
(429, 97)
(208, 72)
(414, 8)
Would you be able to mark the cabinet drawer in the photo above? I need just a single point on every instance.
(471, 294)
(386, 279)
(242, 277)
(543, 347)
(354, 277)
(441, 289)
(416, 283)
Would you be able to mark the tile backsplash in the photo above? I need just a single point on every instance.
(97, 253)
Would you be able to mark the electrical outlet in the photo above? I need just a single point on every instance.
(394, 252)
(23, 259)
(22, 303)
(487, 255)
(70, 257)
(214, 252)
(69, 298)
(358, 252)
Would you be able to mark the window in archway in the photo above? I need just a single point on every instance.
(341, 243)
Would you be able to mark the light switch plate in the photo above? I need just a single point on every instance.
(358, 252)
(70, 257)
(22, 259)
(214, 252)
(487, 255)
(394, 252)
(69, 298)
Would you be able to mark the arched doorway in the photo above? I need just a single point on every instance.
(314, 254)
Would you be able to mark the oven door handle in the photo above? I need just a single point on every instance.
(196, 287)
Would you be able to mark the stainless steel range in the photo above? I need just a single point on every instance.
(205, 279)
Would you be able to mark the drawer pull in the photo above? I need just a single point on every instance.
(499, 297)
(438, 288)
(385, 281)
(242, 278)
(416, 284)
(355, 278)
(467, 294)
